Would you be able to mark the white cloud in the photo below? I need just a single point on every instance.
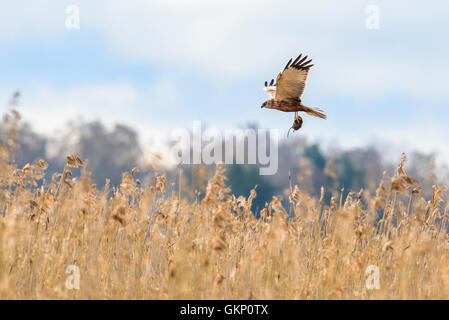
(26, 20)
(247, 39)
(49, 108)
(229, 39)
(225, 38)
(369, 77)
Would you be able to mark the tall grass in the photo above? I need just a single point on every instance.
(140, 241)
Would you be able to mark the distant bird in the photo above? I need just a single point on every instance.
(286, 93)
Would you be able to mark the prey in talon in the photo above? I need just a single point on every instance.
(297, 124)
(285, 94)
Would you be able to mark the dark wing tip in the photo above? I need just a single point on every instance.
(297, 59)
(301, 65)
(271, 83)
(301, 61)
(298, 63)
(266, 83)
(306, 63)
(288, 63)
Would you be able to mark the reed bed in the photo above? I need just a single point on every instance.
(142, 241)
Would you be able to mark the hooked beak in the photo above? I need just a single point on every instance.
(261, 107)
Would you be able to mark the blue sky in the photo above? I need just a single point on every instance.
(160, 65)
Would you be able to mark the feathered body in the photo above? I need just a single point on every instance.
(293, 105)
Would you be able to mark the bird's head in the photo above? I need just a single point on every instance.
(268, 104)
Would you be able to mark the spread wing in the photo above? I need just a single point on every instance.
(291, 82)
(270, 89)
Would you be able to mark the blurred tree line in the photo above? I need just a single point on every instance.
(110, 152)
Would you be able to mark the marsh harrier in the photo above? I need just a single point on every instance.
(286, 93)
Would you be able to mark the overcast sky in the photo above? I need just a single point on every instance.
(160, 65)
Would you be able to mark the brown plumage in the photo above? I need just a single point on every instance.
(286, 93)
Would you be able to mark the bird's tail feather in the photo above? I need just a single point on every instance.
(317, 112)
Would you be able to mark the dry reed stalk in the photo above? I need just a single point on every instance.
(140, 243)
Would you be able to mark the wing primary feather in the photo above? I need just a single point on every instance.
(266, 83)
(301, 61)
(305, 63)
(296, 60)
(288, 63)
(271, 83)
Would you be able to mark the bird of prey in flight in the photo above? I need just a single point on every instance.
(286, 93)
